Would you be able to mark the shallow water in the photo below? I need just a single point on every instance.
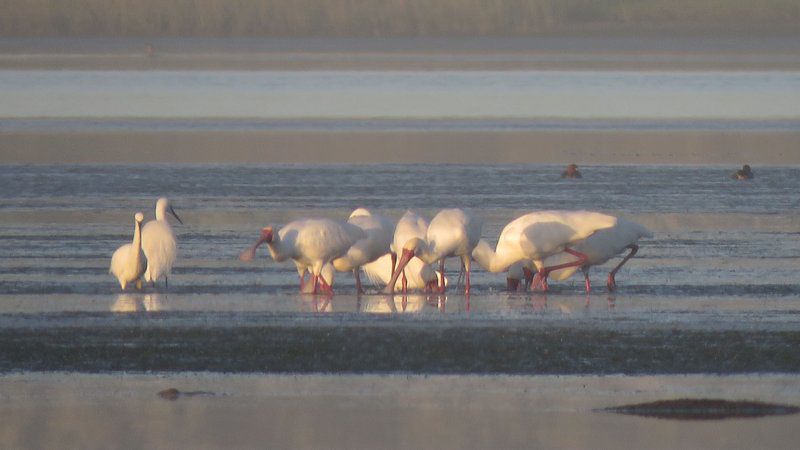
(718, 244)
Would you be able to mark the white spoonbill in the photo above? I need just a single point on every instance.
(410, 226)
(379, 232)
(537, 235)
(159, 243)
(599, 248)
(452, 232)
(128, 262)
(419, 275)
(310, 243)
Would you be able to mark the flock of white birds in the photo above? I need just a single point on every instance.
(537, 246)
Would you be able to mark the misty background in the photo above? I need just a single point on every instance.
(379, 18)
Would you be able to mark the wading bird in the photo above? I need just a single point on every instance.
(599, 248)
(537, 235)
(159, 243)
(310, 243)
(378, 231)
(128, 262)
(452, 232)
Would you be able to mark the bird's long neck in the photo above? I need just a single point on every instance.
(490, 260)
(276, 249)
(161, 212)
(137, 241)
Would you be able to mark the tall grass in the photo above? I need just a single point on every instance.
(375, 17)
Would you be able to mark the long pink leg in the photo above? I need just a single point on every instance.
(586, 279)
(315, 280)
(441, 276)
(327, 288)
(546, 270)
(612, 283)
(405, 282)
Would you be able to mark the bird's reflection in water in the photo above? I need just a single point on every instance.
(384, 304)
(539, 302)
(314, 303)
(131, 303)
(611, 300)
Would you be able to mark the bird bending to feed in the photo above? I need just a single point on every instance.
(128, 262)
(378, 231)
(419, 276)
(516, 272)
(452, 232)
(537, 235)
(310, 243)
(410, 226)
(599, 248)
(159, 243)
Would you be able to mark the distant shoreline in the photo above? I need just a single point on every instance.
(486, 147)
(568, 51)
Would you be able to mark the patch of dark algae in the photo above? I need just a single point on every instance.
(704, 409)
(322, 346)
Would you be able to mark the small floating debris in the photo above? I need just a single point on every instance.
(704, 409)
(172, 394)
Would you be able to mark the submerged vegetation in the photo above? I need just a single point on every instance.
(378, 17)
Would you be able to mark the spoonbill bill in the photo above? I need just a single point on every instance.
(159, 243)
(310, 243)
(128, 262)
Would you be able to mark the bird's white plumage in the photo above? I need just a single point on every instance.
(128, 263)
(537, 235)
(452, 232)
(159, 243)
(599, 247)
(410, 226)
(379, 232)
(310, 243)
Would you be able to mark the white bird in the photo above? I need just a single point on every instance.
(537, 235)
(379, 232)
(452, 232)
(310, 243)
(410, 226)
(419, 275)
(128, 262)
(599, 248)
(159, 243)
